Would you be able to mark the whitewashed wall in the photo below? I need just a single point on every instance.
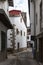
(38, 16)
(21, 26)
(32, 17)
(4, 29)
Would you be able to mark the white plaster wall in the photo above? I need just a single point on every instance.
(8, 37)
(2, 28)
(32, 17)
(38, 16)
(21, 26)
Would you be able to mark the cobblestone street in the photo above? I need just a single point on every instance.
(22, 58)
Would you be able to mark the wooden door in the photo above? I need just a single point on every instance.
(3, 41)
(41, 49)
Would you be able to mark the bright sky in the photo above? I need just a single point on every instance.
(23, 6)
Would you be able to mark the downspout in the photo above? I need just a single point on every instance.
(34, 30)
(34, 20)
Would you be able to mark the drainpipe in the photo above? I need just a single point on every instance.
(29, 6)
(34, 20)
(34, 30)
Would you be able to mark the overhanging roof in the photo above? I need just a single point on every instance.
(14, 13)
(4, 19)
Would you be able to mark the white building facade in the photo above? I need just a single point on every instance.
(20, 30)
(4, 26)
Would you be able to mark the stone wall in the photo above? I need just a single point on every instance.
(3, 56)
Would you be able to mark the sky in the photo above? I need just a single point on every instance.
(23, 6)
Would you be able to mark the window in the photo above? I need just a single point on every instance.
(33, 38)
(10, 33)
(18, 45)
(28, 31)
(17, 31)
(27, 37)
(24, 33)
(21, 32)
(10, 2)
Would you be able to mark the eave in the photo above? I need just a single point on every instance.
(4, 19)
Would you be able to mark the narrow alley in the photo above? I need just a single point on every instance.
(21, 32)
(21, 58)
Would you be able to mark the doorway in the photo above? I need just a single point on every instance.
(41, 49)
(4, 44)
(18, 46)
(3, 41)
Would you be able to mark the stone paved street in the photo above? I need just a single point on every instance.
(23, 58)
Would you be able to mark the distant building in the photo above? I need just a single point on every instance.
(32, 24)
(28, 37)
(4, 26)
(19, 32)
